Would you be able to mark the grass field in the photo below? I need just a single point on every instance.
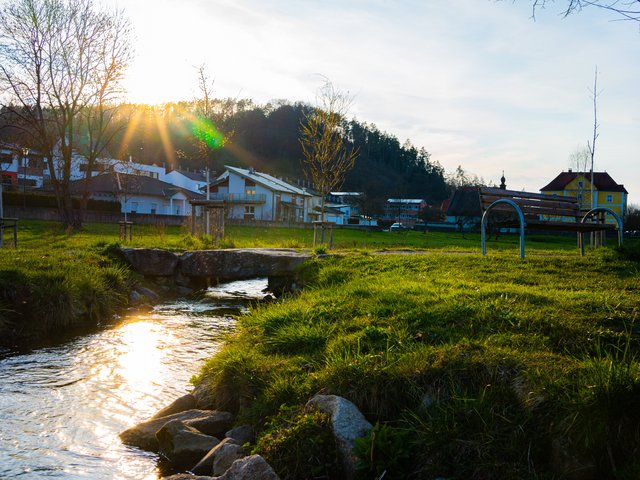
(471, 367)
(37, 234)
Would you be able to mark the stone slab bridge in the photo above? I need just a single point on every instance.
(200, 268)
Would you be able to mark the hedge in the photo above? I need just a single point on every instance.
(49, 201)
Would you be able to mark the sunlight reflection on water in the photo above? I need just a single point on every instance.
(61, 407)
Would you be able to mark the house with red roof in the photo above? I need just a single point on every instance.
(606, 191)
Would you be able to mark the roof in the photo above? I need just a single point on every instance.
(465, 203)
(601, 180)
(197, 176)
(346, 194)
(405, 200)
(114, 182)
(267, 181)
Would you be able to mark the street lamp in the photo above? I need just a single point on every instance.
(25, 154)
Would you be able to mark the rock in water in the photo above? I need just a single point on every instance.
(219, 458)
(143, 435)
(183, 445)
(186, 402)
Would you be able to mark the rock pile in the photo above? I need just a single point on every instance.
(202, 442)
(199, 441)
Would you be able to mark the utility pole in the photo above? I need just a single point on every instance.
(25, 154)
(208, 198)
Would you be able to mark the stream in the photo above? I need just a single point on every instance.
(62, 406)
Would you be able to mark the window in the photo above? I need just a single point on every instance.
(134, 207)
(250, 192)
(249, 212)
(581, 184)
(177, 210)
(609, 198)
(154, 208)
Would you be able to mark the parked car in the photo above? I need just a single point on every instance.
(396, 227)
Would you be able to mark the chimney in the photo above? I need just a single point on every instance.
(570, 170)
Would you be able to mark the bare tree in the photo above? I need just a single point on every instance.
(580, 162)
(127, 182)
(328, 155)
(592, 144)
(580, 159)
(627, 9)
(61, 64)
(462, 178)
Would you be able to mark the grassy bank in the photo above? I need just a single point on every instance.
(45, 291)
(470, 367)
(56, 279)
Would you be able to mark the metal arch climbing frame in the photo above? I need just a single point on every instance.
(485, 217)
(606, 210)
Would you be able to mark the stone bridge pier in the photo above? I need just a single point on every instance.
(200, 268)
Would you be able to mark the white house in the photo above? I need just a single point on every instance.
(21, 166)
(139, 193)
(336, 213)
(254, 195)
(191, 180)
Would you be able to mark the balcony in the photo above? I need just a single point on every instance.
(238, 198)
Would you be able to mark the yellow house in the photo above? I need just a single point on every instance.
(607, 193)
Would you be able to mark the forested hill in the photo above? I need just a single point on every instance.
(266, 137)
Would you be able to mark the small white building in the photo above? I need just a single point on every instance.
(189, 179)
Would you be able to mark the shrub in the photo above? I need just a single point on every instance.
(49, 201)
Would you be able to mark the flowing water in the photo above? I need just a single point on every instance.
(62, 406)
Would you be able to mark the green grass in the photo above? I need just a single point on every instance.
(473, 367)
(39, 234)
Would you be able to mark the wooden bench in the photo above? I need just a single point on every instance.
(9, 224)
(535, 211)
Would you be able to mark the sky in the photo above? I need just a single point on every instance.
(477, 83)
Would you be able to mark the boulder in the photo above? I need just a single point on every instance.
(142, 295)
(186, 402)
(219, 458)
(205, 399)
(347, 423)
(225, 457)
(241, 434)
(214, 424)
(148, 294)
(240, 263)
(153, 262)
(249, 468)
(143, 435)
(182, 444)
(134, 297)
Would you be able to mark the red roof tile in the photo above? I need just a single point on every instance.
(601, 180)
